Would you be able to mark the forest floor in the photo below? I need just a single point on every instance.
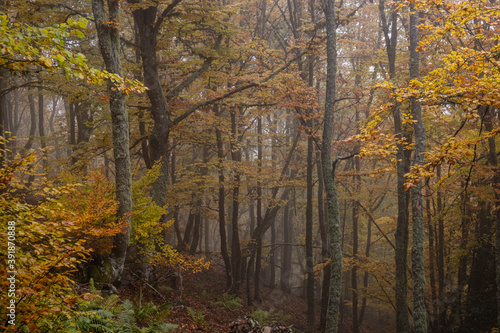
(200, 303)
(201, 307)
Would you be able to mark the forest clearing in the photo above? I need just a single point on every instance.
(250, 166)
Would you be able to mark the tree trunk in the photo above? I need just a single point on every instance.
(309, 234)
(148, 28)
(324, 245)
(440, 245)
(196, 229)
(31, 137)
(434, 320)
(3, 113)
(334, 231)
(402, 315)
(258, 256)
(70, 109)
(286, 257)
(109, 43)
(222, 209)
(418, 234)
(41, 129)
(188, 232)
(235, 239)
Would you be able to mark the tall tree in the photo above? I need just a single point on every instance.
(402, 315)
(107, 24)
(333, 213)
(418, 234)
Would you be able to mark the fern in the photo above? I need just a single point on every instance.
(197, 316)
(97, 321)
(160, 328)
(268, 317)
(229, 302)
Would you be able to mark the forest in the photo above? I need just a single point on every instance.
(320, 165)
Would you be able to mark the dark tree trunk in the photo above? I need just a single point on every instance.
(188, 232)
(286, 258)
(258, 256)
(33, 116)
(196, 230)
(309, 234)
(222, 209)
(70, 109)
(148, 26)
(434, 305)
(440, 245)
(324, 245)
(402, 314)
(235, 239)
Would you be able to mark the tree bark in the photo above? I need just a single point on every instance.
(418, 235)
(309, 233)
(334, 231)
(109, 43)
(235, 239)
(258, 255)
(402, 314)
(41, 129)
(222, 209)
(3, 112)
(31, 137)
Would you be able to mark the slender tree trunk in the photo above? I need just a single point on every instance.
(309, 234)
(434, 320)
(334, 231)
(324, 245)
(440, 246)
(418, 235)
(109, 43)
(258, 256)
(366, 275)
(70, 107)
(356, 179)
(286, 258)
(188, 232)
(355, 247)
(235, 239)
(222, 209)
(3, 112)
(402, 315)
(33, 116)
(196, 229)
(41, 129)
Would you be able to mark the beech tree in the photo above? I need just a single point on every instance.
(109, 43)
(334, 232)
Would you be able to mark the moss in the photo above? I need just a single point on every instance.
(101, 274)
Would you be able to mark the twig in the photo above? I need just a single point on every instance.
(150, 286)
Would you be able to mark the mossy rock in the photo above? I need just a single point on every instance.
(101, 274)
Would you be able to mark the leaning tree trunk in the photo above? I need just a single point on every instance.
(109, 43)
(334, 231)
(418, 236)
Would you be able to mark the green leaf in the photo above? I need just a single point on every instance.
(79, 34)
(83, 23)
